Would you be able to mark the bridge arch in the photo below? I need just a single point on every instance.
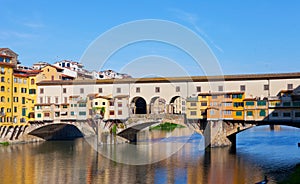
(138, 105)
(176, 105)
(157, 105)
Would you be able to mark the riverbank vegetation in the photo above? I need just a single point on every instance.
(4, 143)
(167, 126)
(294, 178)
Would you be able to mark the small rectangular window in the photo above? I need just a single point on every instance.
(137, 89)
(243, 88)
(193, 113)
(177, 88)
(193, 104)
(81, 90)
(119, 104)
(41, 90)
(64, 90)
(220, 88)
(290, 86)
(266, 87)
(100, 90)
(198, 88)
(157, 89)
(119, 112)
(118, 90)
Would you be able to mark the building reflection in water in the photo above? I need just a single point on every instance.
(77, 162)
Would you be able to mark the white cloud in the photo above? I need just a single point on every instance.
(33, 24)
(193, 19)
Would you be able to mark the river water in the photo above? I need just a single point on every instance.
(259, 152)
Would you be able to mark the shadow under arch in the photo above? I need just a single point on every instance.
(57, 131)
(138, 105)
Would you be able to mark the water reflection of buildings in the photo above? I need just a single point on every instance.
(77, 162)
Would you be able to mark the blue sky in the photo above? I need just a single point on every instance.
(252, 36)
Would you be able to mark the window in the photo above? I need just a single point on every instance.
(249, 113)
(242, 87)
(56, 99)
(111, 113)
(16, 99)
(157, 89)
(111, 103)
(203, 96)
(238, 104)
(118, 90)
(31, 91)
(49, 100)
(2, 70)
(290, 86)
(82, 105)
(46, 114)
(261, 103)
(120, 112)
(65, 99)
(198, 88)
(203, 103)
(296, 104)
(262, 113)
(100, 90)
(25, 81)
(250, 103)
(212, 112)
(286, 104)
(266, 87)
(41, 90)
(64, 106)
(220, 88)
(2, 88)
(227, 104)
(238, 113)
(119, 104)
(41, 99)
(32, 81)
(56, 114)
(193, 113)
(227, 112)
(15, 109)
(177, 88)
(39, 115)
(96, 103)
(81, 90)
(72, 113)
(227, 96)
(214, 96)
(297, 114)
(237, 96)
(15, 80)
(286, 114)
(193, 104)
(15, 89)
(64, 90)
(275, 114)
(2, 79)
(82, 113)
(23, 100)
(137, 89)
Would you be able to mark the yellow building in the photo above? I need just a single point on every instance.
(6, 74)
(101, 106)
(203, 104)
(238, 105)
(24, 95)
(192, 108)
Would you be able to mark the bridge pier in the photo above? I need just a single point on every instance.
(215, 134)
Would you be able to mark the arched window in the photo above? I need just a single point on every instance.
(32, 81)
(2, 88)
(2, 79)
(2, 99)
